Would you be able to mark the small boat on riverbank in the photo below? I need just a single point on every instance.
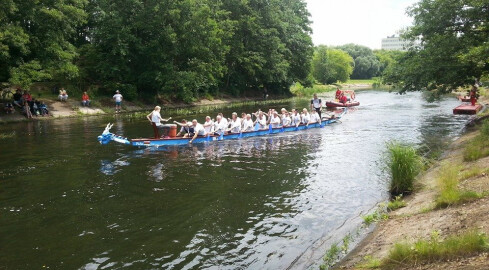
(464, 98)
(333, 104)
(107, 136)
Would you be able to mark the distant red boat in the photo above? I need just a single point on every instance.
(467, 109)
(464, 98)
(333, 104)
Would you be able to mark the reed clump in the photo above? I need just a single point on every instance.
(449, 192)
(478, 147)
(404, 165)
(434, 249)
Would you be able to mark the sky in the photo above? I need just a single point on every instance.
(364, 22)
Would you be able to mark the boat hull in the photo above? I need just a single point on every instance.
(332, 104)
(182, 141)
(107, 137)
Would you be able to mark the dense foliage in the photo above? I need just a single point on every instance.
(453, 49)
(366, 63)
(331, 65)
(36, 39)
(176, 49)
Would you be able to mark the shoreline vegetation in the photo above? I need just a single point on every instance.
(442, 223)
(105, 105)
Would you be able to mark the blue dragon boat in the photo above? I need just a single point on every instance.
(106, 137)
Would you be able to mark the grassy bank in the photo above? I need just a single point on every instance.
(442, 223)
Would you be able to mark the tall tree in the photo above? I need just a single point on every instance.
(271, 44)
(331, 65)
(366, 64)
(453, 50)
(36, 39)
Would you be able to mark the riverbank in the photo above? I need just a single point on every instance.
(424, 218)
(71, 108)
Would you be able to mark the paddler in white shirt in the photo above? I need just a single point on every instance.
(248, 124)
(286, 120)
(314, 117)
(198, 130)
(219, 127)
(225, 122)
(275, 120)
(208, 125)
(295, 118)
(235, 124)
(261, 119)
(305, 117)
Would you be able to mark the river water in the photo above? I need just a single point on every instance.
(256, 203)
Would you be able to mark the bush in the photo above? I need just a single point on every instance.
(432, 250)
(404, 164)
(485, 129)
(476, 149)
(397, 203)
(450, 194)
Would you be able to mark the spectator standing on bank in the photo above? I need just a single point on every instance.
(118, 101)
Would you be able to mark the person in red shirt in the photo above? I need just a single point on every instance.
(85, 99)
(343, 99)
(338, 93)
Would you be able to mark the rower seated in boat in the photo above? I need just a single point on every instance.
(344, 99)
(275, 120)
(314, 118)
(155, 119)
(198, 130)
(305, 117)
(219, 126)
(295, 118)
(286, 120)
(338, 93)
(186, 129)
(208, 125)
(261, 119)
(235, 124)
(248, 124)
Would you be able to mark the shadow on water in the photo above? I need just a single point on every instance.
(68, 202)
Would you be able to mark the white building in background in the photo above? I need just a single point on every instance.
(395, 43)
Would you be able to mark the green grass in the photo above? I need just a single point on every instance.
(433, 250)
(374, 217)
(300, 91)
(478, 147)
(331, 256)
(370, 262)
(397, 203)
(362, 81)
(7, 135)
(404, 165)
(449, 192)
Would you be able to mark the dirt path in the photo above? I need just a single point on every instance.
(416, 221)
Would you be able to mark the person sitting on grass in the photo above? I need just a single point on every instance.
(85, 99)
(26, 109)
(43, 109)
(9, 108)
(35, 107)
(63, 96)
(18, 98)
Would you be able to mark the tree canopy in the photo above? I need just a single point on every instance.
(366, 63)
(453, 49)
(177, 49)
(331, 65)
